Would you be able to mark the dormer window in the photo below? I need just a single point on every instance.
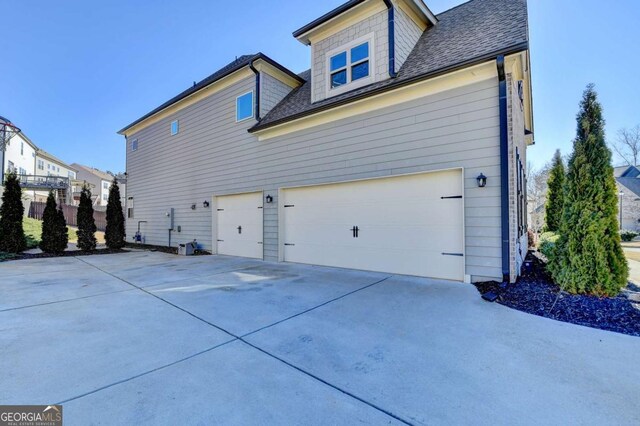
(350, 66)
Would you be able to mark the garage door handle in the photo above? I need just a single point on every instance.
(453, 254)
(451, 197)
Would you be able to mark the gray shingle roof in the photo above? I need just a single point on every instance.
(626, 172)
(231, 67)
(631, 183)
(470, 33)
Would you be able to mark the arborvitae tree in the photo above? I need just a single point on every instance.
(12, 237)
(114, 233)
(86, 222)
(54, 228)
(555, 194)
(588, 258)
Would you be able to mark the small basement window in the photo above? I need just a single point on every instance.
(175, 127)
(134, 145)
(350, 66)
(244, 106)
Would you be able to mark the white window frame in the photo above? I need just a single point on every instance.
(350, 85)
(134, 145)
(253, 106)
(177, 123)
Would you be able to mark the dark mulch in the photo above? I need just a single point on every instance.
(535, 293)
(22, 256)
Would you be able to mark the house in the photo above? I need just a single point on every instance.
(100, 183)
(38, 170)
(402, 149)
(50, 167)
(628, 182)
(20, 156)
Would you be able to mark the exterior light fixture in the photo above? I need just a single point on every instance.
(482, 180)
(193, 206)
(205, 204)
(269, 199)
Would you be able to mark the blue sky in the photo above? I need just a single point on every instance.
(76, 71)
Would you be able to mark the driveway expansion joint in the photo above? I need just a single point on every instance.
(241, 339)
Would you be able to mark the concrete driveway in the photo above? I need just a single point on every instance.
(152, 338)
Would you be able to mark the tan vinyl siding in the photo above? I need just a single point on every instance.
(407, 34)
(272, 91)
(213, 154)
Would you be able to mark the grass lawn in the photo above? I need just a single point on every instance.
(33, 231)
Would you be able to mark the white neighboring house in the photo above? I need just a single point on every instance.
(100, 182)
(46, 166)
(20, 155)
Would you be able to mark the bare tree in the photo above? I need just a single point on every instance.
(627, 145)
(537, 195)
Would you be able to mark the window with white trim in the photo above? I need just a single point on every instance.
(350, 66)
(175, 127)
(134, 145)
(244, 106)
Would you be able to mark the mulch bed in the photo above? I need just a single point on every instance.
(535, 293)
(71, 253)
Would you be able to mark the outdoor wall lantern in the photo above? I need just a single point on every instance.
(269, 199)
(482, 180)
(205, 204)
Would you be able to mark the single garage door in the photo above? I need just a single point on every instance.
(409, 225)
(239, 225)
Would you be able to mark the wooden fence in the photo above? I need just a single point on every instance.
(36, 210)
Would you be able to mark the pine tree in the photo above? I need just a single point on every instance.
(12, 237)
(86, 222)
(555, 194)
(54, 237)
(588, 258)
(114, 233)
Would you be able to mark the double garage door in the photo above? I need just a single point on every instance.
(409, 225)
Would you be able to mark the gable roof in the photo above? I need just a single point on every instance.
(231, 67)
(626, 172)
(631, 183)
(51, 157)
(344, 8)
(628, 177)
(468, 34)
(99, 173)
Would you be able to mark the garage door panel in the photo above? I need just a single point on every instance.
(404, 225)
(240, 225)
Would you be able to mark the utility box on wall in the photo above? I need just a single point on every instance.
(169, 218)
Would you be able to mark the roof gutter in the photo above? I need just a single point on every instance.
(394, 85)
(257, 103)
(504, 168)
(391, 36)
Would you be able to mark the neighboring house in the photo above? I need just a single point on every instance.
(47, 167)
(20, 156)
(100, 182)
(369, 160)
(628, 181)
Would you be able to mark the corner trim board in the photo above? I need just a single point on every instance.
(504, 168)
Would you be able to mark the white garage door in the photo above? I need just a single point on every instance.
(409, 225)
(239, 225)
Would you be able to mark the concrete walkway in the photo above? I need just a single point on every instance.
(148, 338)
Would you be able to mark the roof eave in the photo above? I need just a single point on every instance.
(475, 61)
(232, 70)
